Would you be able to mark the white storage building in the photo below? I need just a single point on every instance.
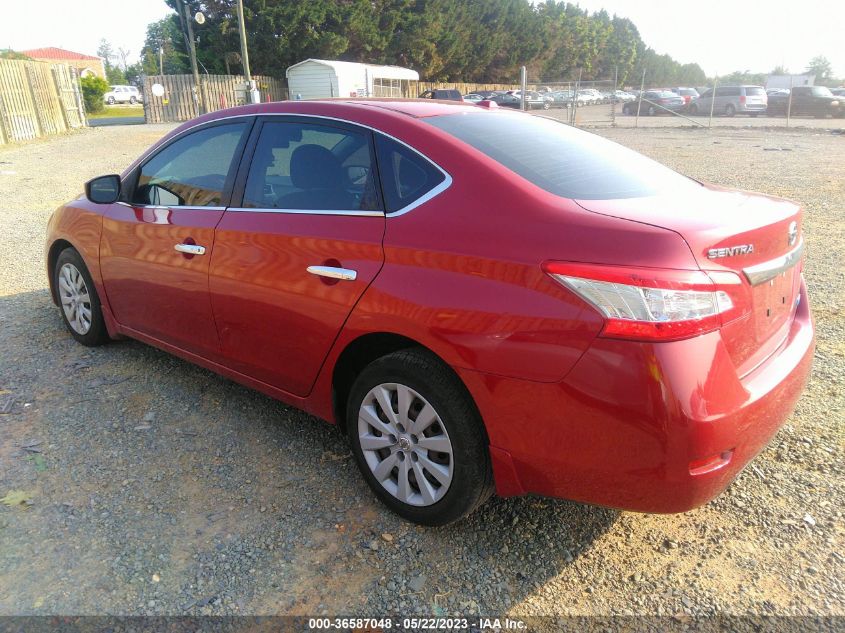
(322, 78)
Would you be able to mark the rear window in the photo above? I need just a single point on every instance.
(687, 92)
(754, 92)
(560, 159)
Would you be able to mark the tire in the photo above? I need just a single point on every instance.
(652, 111)
(133, 100)
(626, 109)
(72, 281)
(730, 110)
(456, 482)
(546, 105)
(693, 110)
(111, 101)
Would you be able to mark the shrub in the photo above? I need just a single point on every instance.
(93, 89)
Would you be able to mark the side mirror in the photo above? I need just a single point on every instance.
(104, 189)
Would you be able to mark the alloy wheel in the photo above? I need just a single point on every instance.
(405, 444)
(75, 298)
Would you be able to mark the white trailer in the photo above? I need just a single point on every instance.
(774, 82)
(322, 78)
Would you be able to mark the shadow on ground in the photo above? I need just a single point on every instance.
(158, 487)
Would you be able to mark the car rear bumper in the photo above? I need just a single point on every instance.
(640, 426)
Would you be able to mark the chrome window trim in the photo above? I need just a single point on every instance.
(164, 206)
(436, 191)
(761, 273)
(369, 214)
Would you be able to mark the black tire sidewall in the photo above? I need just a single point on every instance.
(97, 334)
(428, 376)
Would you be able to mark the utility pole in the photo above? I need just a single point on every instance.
(199, 97)
(254, 96)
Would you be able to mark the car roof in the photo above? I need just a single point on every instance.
(416, 108)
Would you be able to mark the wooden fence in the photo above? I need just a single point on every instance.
(38, 99)
(416, 88)
(180, 102)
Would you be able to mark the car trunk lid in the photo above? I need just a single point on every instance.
(755, 237)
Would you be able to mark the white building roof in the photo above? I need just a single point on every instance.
(383, 72)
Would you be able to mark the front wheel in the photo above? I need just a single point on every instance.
(418, 438)
(693, 110)
(111, 101)
(78, 299)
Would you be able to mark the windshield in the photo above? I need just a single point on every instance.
(821, 91)
(561, 159)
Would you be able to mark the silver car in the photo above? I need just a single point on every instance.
(731, 100)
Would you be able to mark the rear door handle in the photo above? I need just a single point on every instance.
(190, 249)
(333, 273)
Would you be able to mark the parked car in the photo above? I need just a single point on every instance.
(571, 347)
(655, 102)
(689, 94)
(473, 98)
(839, 92)
(589, 96)
(533, 99)
(506, 100)
(122, 94)
(777, 91)
(731, 100)
(444, 95)
(816, 101)
(561, 98)
(620, 96)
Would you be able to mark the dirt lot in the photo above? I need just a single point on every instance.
(156, 487)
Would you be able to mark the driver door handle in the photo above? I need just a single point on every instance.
(190, 249)
(332, 272)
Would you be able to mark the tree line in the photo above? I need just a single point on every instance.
(444, 40)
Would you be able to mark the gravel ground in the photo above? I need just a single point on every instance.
(156, 487)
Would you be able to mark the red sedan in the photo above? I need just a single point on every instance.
(483, 299)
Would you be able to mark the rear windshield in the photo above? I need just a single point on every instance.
(561, 159)
(754, 92)
(688, 92)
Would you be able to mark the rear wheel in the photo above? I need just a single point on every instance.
(111, 100)
(693, 110)
(652, 111)
(133, 100)
(626, 109)
(78, 299)
(730, 110)
(418, 439)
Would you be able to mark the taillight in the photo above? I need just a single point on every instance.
(742, 99)
(655, 303)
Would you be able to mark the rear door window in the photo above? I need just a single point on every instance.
(754, 92)
(312, 167)
(406, 177)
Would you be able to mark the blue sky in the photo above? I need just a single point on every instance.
(720, 35)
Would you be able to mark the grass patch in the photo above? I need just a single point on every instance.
(118, 111)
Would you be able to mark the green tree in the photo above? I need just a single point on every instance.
(821, 68)
(93, 89)
(114, 74)
(8, 53)
(167, 36)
